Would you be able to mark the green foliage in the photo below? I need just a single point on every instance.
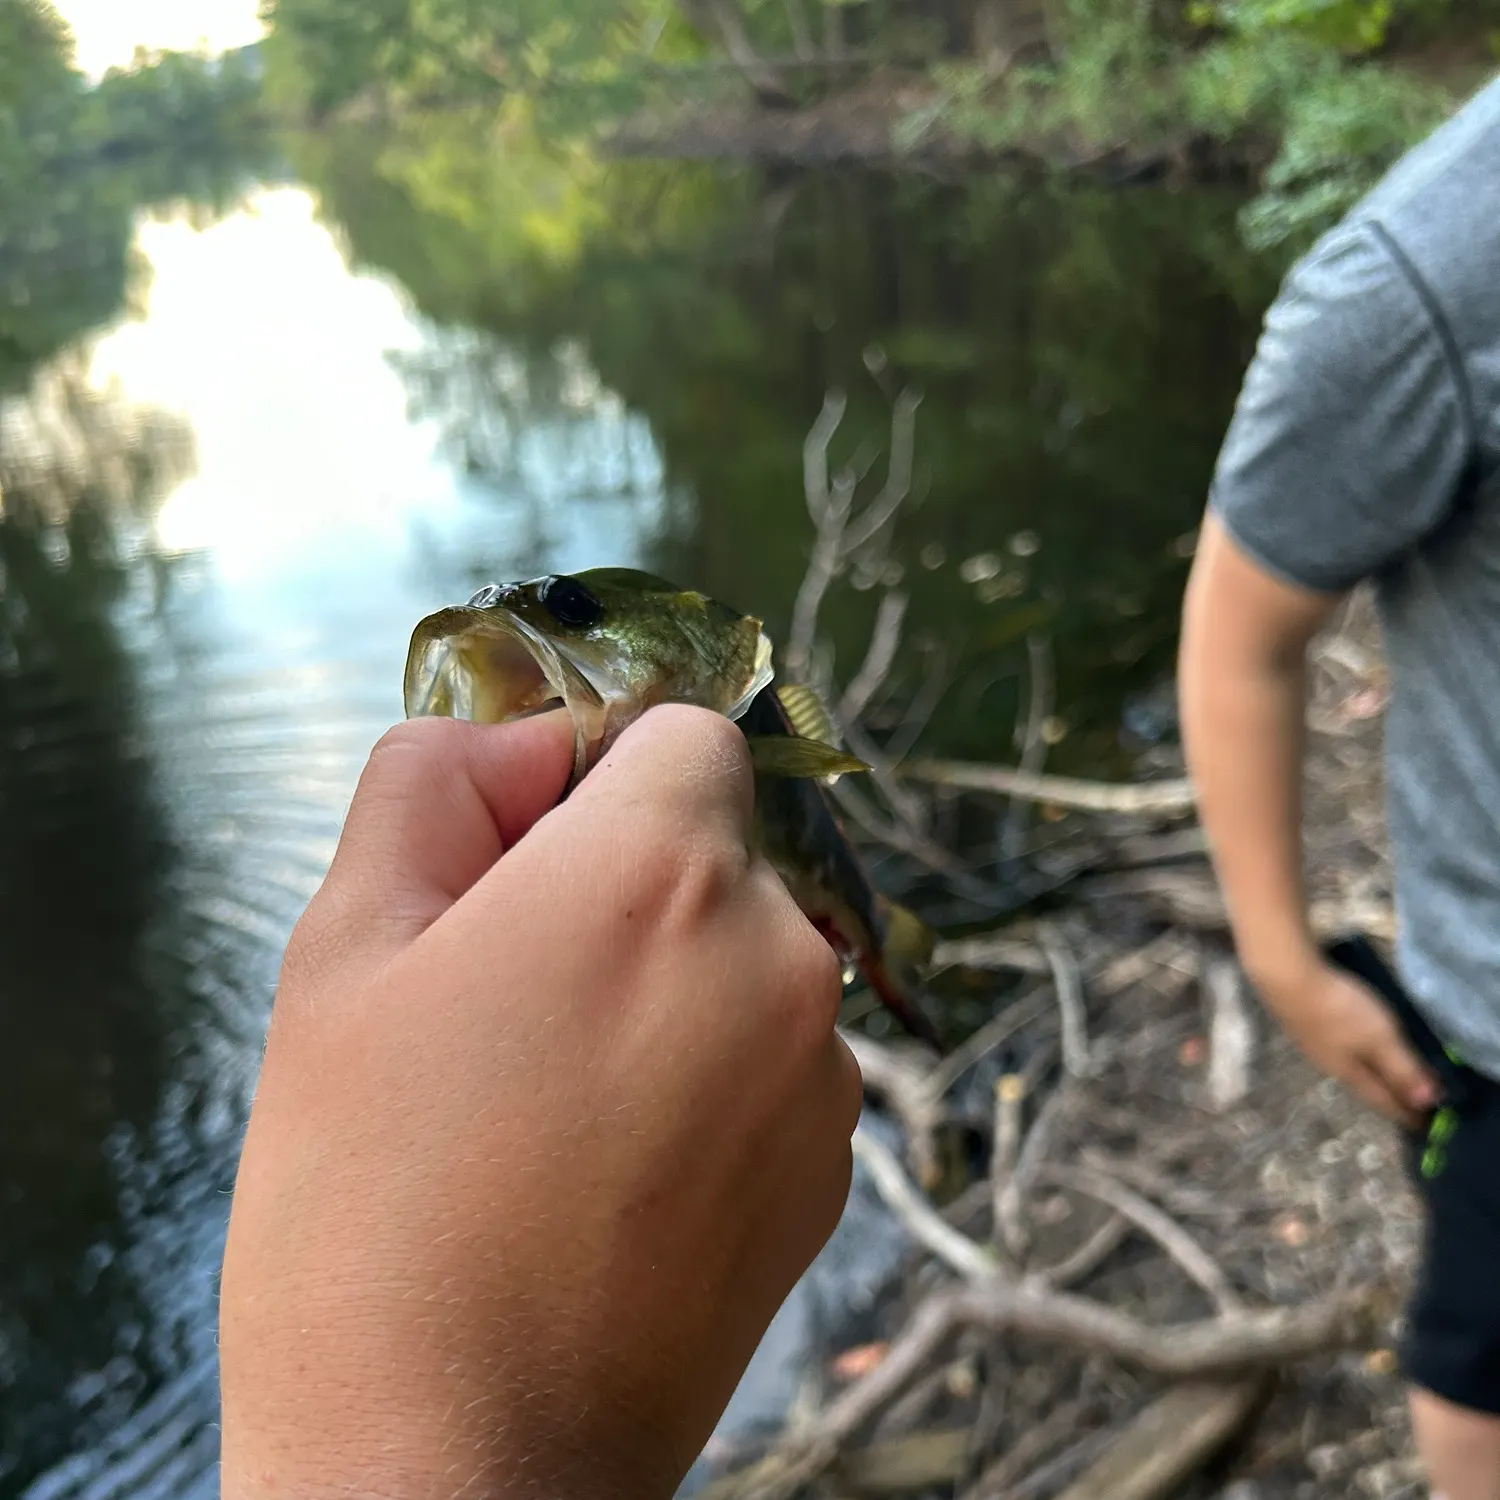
(1280, 79)
(323, 56)
(1347, 25)
(1339, 126)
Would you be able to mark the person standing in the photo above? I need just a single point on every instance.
(1366, 447)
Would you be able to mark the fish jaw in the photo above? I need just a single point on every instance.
(490, 667)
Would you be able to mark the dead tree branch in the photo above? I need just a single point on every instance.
(1033, 745)
(1152, 798)
(880, 656)
(1194, 1260)
(1068, 986)
(1215, 1347)
(1169, 1441)
(926, 1225)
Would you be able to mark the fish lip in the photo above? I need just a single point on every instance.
(436, 672)
(439, 680)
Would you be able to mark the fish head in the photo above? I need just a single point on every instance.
(606, 644)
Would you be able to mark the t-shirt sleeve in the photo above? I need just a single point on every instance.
(1349, 442)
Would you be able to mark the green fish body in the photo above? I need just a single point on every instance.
(608, 644)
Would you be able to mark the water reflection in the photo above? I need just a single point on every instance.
(87, 862)
(1079, 350)
(180, 729)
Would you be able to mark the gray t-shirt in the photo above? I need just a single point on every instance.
(1366, 445)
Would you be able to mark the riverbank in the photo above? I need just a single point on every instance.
(1309, 130)
(1180, 1268)
(862, 125)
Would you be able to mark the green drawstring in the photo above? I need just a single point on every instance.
(1440, 1133)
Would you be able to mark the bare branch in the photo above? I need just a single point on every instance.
(1070, 1002)
(821, 569)
(1001, 950)
(997, 1479)
(1185, 1351)
(906, 1089)
(1169, 1441)
(1017, 1015)
(815, 456)
(882, 509)
(802, 42)
(1033, 740)
(1194, 1260)
(880, 656)
(1011, 1202)
(1010, 1101)
(1159, 798)
(1231, 1035)
(1087, 1258)
(927, 1226)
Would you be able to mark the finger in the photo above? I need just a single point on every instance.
(1371, 1087)
(691, 762)
(1404, 1074)
(439, 802)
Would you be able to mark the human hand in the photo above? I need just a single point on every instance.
(1347, 1031)
(552, 1116)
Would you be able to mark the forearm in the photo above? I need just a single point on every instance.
(1243, 684)
(1243, 734)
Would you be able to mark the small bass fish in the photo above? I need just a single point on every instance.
(609, 643)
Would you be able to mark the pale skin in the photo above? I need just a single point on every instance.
(1242, 680)
(552, 1117)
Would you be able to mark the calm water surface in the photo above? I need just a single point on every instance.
(324, 410)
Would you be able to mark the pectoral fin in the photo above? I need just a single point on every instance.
(786, 755)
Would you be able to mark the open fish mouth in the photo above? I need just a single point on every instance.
(490, 667)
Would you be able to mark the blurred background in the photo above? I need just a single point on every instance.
(317, 318)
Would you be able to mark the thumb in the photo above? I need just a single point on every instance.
(439, 801)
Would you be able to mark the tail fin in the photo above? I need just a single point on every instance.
(895, 972)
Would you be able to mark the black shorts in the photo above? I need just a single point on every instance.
(1451, 1345)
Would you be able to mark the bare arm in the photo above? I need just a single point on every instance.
(1242, 678)
(1243, 687)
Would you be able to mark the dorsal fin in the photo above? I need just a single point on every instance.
(807, 714)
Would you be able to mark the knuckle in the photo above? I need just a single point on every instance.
(812, 987)
(694, 878)
(692, 724)
(707, 749)
(849, 1090)
(323, 940)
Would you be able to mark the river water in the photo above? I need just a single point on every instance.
(319, 407)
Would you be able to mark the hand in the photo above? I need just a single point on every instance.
(552, 1117)
(1348, 1032)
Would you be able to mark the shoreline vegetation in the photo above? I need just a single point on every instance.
(1305, 101)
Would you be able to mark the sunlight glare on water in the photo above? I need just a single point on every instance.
(259, 316)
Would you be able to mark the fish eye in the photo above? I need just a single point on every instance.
(486, 596)
(570, 603)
